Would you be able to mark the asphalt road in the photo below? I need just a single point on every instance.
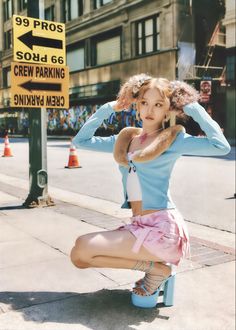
(202, 187)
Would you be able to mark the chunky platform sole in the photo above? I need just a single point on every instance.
(151, 301)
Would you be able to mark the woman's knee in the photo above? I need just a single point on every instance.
(79, 253)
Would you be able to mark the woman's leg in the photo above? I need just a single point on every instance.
(113, 249)
(108, 249)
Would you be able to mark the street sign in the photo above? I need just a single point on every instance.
(39, 86)
(205, 91)
(38, 41)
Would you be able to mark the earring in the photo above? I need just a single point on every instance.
(163, 124)
(138, 115)
(137, 112)
(167, 118)
(164, 121)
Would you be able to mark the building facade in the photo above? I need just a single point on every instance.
(110, 40)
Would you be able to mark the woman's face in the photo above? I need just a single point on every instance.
(153, 107)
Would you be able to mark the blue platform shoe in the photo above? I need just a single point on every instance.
(150, 301)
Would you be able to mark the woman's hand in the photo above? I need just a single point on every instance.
(121, 104)
(177, 112)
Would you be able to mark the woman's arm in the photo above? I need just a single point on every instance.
(213, 144)
(85, 137)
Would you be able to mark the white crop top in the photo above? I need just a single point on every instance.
(133, 187)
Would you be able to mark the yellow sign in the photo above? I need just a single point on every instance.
(38, 41)
(39, 86)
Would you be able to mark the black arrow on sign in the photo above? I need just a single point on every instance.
(29, 40)
(41, 86)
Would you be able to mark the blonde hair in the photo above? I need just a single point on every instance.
(182, 94)
(161, 84)
(176, 92)
(133, 90)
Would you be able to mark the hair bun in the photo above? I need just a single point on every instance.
(182, 94)
(130, 90)
(137, 82)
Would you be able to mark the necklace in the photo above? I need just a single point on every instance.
(143, 137)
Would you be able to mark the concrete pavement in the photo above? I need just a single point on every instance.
(40, 289)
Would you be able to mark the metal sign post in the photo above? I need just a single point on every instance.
(40, 80)
(38, 190)
(38, 86)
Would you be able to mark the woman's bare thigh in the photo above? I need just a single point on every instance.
(115, 243)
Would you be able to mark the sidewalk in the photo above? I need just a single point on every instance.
(41, 289)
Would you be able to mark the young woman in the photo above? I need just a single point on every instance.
(157, 235)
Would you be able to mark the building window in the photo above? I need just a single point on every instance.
(147, 35)
(22, 4)
(73, 9)
(99, 3)
(8, 39)
(49, 13)
(76, 59)
(6, 73)
(106, 48)
(7, 9)
(98, 91)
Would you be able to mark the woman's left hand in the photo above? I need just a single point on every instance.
(178, 112)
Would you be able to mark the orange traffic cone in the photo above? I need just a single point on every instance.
(73, 158)
(7, 149)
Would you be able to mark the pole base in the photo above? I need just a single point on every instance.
(32, 202)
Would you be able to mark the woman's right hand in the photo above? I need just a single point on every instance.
(122, 104)
(119, 105)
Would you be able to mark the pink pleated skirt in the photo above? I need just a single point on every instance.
(163, 233)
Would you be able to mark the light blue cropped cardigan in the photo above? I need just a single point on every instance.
(154, 175)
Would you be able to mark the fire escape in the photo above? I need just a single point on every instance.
(207, 69)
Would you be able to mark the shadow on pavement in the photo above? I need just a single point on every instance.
(12, 207)
(103, 309)
(233, 197)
